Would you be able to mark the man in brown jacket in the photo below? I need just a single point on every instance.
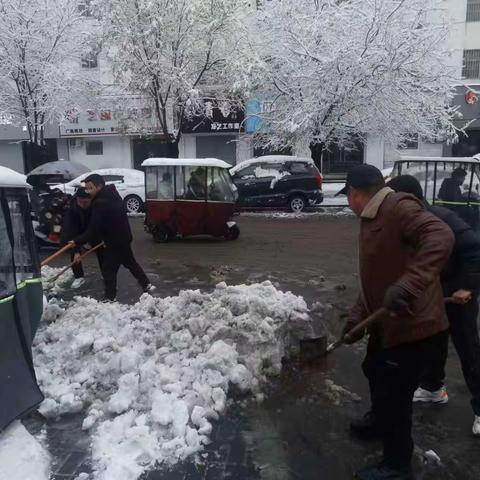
(402, 249)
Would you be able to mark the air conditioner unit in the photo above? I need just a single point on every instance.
(76, 143)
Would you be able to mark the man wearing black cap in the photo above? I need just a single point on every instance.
(75, 222)
(402, 250)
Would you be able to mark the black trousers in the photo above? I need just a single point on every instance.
(393, 376)
(114, 257)
(77, 268)
(465, 338)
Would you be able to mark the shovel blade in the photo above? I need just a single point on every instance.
(313, 348)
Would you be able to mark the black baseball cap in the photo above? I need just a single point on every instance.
(363, 176)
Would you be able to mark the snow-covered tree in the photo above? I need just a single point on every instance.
(335, 71)
(41, 43)
(174, 54)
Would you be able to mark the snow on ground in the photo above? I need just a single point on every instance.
(60, 284)
(151, 377)
(329, 190)
(22, 457)
(327, 212)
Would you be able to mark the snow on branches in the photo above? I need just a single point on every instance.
(41, 43)
(336, 69)
(174, 52)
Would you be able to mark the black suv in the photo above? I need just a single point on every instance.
(273, 181)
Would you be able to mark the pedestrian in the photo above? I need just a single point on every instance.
(109, 223)
(402, 250)
(75, 222)
(461, 282)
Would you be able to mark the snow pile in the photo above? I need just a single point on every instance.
(56, 285)
(22, 457)
(153, 376)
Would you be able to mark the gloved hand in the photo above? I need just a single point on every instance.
(398, 301)
(347, 340)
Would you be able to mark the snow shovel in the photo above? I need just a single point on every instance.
(88, 252)
(67, 247)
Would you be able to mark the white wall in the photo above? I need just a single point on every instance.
(116, 153)
(188, 146)
(11, 156)
(375, 151)
(244, 148)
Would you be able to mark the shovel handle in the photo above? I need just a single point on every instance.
(88, 252)
(377, 315)
(68, 246)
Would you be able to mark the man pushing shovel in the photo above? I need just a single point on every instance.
(402, 250)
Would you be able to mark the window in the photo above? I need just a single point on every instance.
(269, 170)
(151, 182)
(94, 147)
(471, 64)
(247, 172)
(165, 186)
(24, 265)
(219, 186)
(113, 178)
(410, 143)
(300, 168)
(90, 59)
(7, 277)
(85, 8)
(190, 183)
(473, 11)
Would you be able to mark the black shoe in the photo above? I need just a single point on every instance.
(365, 427)
(384, 472)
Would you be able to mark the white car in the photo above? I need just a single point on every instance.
(129, 183)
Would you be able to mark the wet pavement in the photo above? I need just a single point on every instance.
(300, 430)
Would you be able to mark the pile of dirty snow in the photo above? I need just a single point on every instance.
(58, 285)
(151, 377)
(22, 457)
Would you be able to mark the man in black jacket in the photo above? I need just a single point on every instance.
(75, 222)
(460, 282)
(109, 222)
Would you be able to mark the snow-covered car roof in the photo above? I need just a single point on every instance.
(187, 162)
(11, 179)
(270, 159)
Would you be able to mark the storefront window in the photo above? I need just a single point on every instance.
(190, 183)
(7, 276)
(219, 186)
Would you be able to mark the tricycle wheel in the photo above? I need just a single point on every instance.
(233, 232)
(161, 235)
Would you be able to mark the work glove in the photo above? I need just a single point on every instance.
(350, 340)
(398, 301)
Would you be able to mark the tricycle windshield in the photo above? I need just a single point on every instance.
(7, 268)
(159, 183)
(220, 186)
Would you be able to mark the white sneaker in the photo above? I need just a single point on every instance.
(149, 288)
(425, 396)
(78, 282)
(476, 426)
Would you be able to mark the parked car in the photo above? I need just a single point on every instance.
(278, 181)
(129, 183)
